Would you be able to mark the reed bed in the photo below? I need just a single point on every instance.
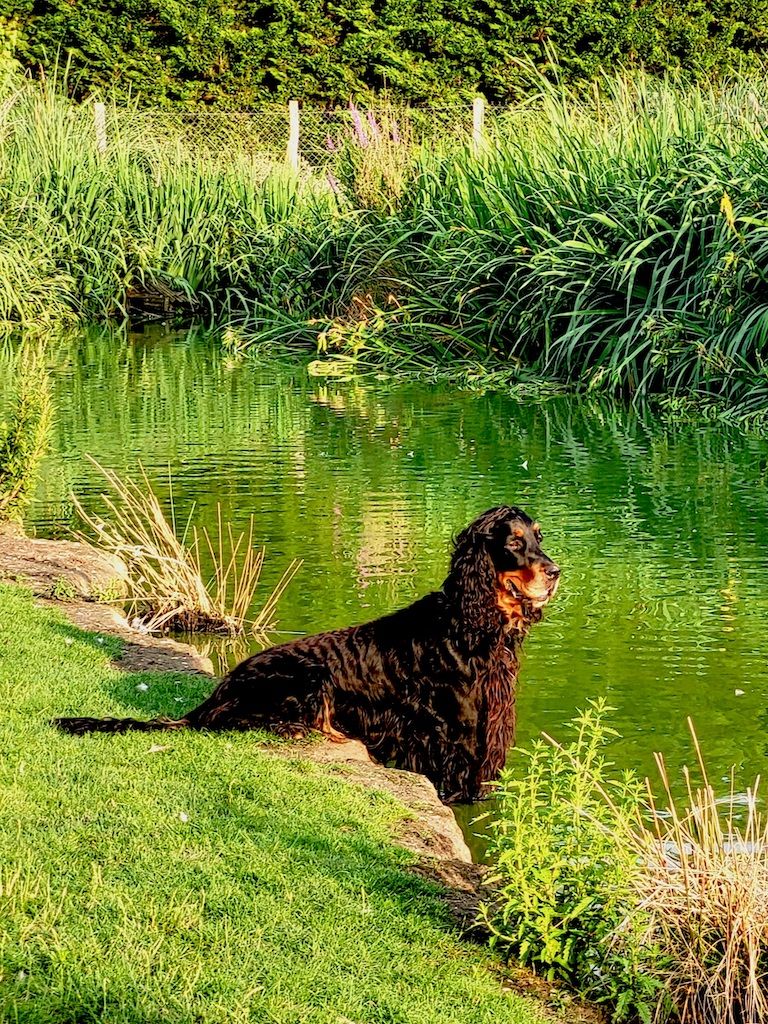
(618, 240)
(705, 889)
(169, 588)
(611, 238)
(85, 236)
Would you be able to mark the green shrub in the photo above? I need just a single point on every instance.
(565, 875)
(24, 439)
(220, 52)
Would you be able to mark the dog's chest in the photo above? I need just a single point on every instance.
(510, 604)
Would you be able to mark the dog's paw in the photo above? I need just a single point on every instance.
(291, 730)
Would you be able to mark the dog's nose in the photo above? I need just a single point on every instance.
(553, 571)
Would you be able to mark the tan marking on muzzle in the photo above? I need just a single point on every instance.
(532, 582)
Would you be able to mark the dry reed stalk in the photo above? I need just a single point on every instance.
(705, 887)
(166, 579)
(702, 889)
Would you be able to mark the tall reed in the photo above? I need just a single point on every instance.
(613, 239)
(608, 238)
(168, 585)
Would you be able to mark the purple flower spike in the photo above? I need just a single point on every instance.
(395, 132)
(330, 145)
(333, 181)
(375, 132)
(357, 123)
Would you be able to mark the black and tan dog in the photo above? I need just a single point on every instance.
(431, 687)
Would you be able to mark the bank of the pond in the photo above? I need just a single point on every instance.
(86, 585)
(611, 241)
(72, 577)
(206, 879)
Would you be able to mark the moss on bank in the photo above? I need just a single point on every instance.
(199, 880)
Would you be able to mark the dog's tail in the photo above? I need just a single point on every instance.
(81, 726)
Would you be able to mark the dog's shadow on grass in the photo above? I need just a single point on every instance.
(146, 693)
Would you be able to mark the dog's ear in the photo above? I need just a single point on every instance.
(471, 588)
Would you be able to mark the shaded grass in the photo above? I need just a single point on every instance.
(202, 882)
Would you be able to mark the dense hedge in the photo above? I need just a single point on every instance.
(246, 51)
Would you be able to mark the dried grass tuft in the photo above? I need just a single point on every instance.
(168, 588)
(705, 886)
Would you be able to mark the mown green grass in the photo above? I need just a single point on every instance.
(206, 882)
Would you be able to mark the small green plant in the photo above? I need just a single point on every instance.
(361, 328)
(111, 592)
(564, 873)
(25, 437)
(63, 590)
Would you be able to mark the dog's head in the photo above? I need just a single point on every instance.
(499, 565)
(523, 569)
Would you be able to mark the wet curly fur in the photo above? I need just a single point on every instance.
(430, 688)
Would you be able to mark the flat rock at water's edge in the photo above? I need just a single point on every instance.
(432, 832)
(142, 652)
(69, 568)
(79, 576)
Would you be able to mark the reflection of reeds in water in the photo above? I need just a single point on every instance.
(168, 588)
(227, 650)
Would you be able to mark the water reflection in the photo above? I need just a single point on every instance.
(660, 532)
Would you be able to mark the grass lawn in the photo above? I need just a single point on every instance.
(204, 881)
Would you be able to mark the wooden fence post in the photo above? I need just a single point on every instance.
(100, 126)
(478, 124)
(293, 135)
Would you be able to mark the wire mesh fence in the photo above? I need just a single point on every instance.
(204, 132)
(304, 137)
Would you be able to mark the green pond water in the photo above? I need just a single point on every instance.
(661, 531)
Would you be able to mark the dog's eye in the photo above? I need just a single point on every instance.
(515, 544)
